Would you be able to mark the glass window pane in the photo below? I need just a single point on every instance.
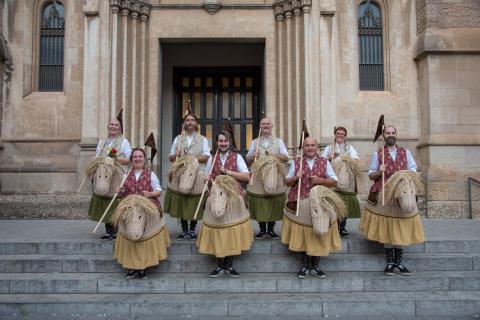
(209, 135)
(185, 98)
(185, 81)
(209, 83)
(236, 82)
(236, 133)
(225, 82)
(249, 82)
(237, 106)
(249, 102)
(197, 82)
(249, 134)
(209, 106)
(197, 103)
(225, 102)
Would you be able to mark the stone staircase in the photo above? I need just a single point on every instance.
(51, 273)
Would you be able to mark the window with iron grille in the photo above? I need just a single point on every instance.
(52, 32)
(370, 38)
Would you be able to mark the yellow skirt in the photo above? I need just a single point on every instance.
(301, 238)
(225, 241)
(138, 255)
(390, 230)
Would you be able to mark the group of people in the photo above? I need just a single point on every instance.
(226, 208)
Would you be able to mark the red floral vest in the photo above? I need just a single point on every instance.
(319, 169)
(144, 183)
(230, 164)
(391, 166)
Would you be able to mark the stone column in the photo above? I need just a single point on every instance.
(280, 66)
(308, 63)
(114, 108)
(144, 12)
(126, 5)
(134, 108)
(287, 7)
(298, 92)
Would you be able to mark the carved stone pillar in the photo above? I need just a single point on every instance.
(144, 12)
(134, 105)
(280, 66)
(126, 5)
(114, 108)
(287, 7)
(309, 73)
(298, 92)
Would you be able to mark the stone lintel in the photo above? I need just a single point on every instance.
(91, 7)
(451, 40)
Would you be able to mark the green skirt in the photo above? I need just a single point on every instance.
(266, 208)
(351, 201)
(97, 207)
(183, 206)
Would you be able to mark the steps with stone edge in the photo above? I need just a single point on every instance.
(74, 276)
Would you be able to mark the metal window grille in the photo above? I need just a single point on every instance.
(52, 33)
(370, 38)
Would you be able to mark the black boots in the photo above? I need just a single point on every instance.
(110, 232)
(193, 224)
(342, 228)
(271, 230)
(184, 224)
(314, 268)
(304, 270)
(224, 265)
(263, 230)
(136, 274)
(398, 262)
(390, 257)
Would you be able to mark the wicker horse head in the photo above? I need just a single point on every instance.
(402, 187)
(271, 172)
(185, 169)
(106, 173)
(325, 206)
(347, 170)
(133, 211)
(224, 195)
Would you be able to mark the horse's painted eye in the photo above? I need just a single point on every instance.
(221, 193)
(140, 217)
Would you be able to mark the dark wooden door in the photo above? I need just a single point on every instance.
(217, 94)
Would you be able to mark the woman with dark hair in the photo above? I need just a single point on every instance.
(139, 255)
(232, 233)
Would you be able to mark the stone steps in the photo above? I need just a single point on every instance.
(397, 304)
(244, 263)
(55, 283)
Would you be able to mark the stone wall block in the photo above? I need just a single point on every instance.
(445, 210)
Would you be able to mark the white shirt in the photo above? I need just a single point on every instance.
(190, 138)
(154, 183)
(375, 166)
(330, 173)
(351, 151)
(124, 152)
(241, 165)
(283, 150)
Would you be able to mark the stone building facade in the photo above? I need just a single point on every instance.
(304, 61)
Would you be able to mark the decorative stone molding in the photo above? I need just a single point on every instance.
(279, 13)
(212, 6)
(115, 6)
(91, 7)
(328, 7)
(297, 10)
(287, 8)
(135, 10)
(144, 13)
(306, 6)
(126, 7)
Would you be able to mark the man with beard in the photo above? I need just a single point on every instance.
(179, 205)
(382, 223)
(266, 209)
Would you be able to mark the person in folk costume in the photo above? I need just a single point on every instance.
(116, 146)
(339, 148)
(147, 252)
(266, 209)
(380, 224)
(232, 233)
(298, 236)
(178, 205)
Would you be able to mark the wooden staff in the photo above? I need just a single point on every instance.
(205, 185)
(111, 202)
(256, 154)
(300, 180)
(383, 164)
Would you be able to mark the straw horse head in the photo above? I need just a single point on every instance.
(224, 195)
(184, 171)
(133, 212)
(347, 170)
(269, 171)
(402, 188)
(325, 206)
(106, 173)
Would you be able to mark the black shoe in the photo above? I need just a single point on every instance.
(142, 275)
(232, 272)
(131, 274)
(402, 270)
(303, 273)
(389, 269)
(271, 230)
(398, 262)
(217, 272)
(260, 235)
(344, 233)
(390, 257)
(183, 235)
(108, 237)
(192, 235)
(272, 234)
(316, 272)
